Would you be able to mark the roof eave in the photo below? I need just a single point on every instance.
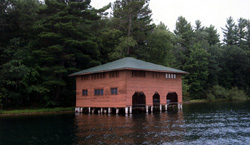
(72, 75)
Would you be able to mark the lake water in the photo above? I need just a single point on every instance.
(201, 123)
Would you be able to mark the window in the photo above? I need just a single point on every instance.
(85, 92)
(170, 76)
(137, 73)
(113, 91)
(97, 76)
(98, 91)
(102, 75)
(156, 74)
(113, 74)
(85, 77)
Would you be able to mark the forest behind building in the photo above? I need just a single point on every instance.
(41, 43)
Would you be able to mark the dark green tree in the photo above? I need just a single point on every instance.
(16, 19)
(133, 19)
(110, 39)
(207, 36)
(235, 68)
(198, 26)
(213, 36)
(200, 35)
(184, 34)
(183, 41)
(241, 33)
(197, 66)
(13, 74)
(159, 48)
(64, 44)
(7, 14)
(214, 61)
(230, 32)
(248, 36)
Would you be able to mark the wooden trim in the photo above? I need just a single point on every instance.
(130, 69)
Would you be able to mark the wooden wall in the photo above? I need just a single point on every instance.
(127, 85)
(150, 85)
(105, 100)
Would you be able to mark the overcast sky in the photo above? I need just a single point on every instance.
(209, 12)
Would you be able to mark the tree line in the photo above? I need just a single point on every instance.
(41, 43)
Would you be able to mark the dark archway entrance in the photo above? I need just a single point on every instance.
(156, 100)
(138, 100)
(172, 98)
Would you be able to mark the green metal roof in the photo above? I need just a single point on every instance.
(128, 63)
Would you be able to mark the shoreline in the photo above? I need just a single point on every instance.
(196, 101)
(206, 101)
(32, 111)
(37, 111)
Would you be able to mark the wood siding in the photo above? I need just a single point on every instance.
(127, 85)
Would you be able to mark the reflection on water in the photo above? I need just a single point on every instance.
(206, 123)
(37, 129)
(131, 129)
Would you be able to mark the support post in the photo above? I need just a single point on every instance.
(117, 110)
(101, 110)
(109, 110)
(179, 106)
(126, 110)
(152, 109)
(93, 111)
(130, 109)
(105, 111)
(166, 107)
(160, 108)
(89, 109)
(146, 108)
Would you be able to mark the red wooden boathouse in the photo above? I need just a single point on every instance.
(128, 83)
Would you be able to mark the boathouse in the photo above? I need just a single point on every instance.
(128, 84)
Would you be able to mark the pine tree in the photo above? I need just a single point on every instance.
(230, 32)
(160, 46)
(248, 35)
(64, 44)
(213, 36)
(200, 35)
(16, 20)
(184, 39)
(13, 74)
(197, 66)
(185, 34)
(241, 33)
(198, 26)
(214, 69)
(133, 18)
(235, 67)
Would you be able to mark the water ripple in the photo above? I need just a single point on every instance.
(207, 123)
